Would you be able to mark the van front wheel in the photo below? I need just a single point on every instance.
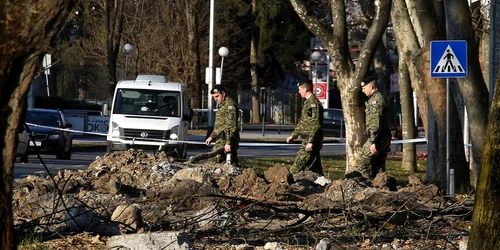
(109, 147)
(182, 150)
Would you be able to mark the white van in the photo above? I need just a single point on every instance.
(149, 113)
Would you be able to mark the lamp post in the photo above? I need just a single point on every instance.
(211, 70)
(223, 52)
(127, 49)
(316, 56)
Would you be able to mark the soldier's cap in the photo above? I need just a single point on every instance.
(217, 89)
(304, 82)
(372, 76)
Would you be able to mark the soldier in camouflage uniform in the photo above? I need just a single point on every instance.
(309, 128)
(225, 131)
(373, 154)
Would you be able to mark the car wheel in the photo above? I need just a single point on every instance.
(67, 154)
(24, 157)
(109, 147)
(60, 154)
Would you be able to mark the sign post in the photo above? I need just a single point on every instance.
(320, 75)
(47, 61)
(448, 60)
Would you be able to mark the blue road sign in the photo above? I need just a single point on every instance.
(449, 59)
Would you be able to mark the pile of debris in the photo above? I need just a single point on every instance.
(134, 198)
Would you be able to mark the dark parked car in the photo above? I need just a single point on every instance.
(333, 123)
(47, 127)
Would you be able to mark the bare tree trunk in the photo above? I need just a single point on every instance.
(473, 87)
(436, 91)
(457, 151)
(495, 48)
(348, 77)
(432, 147)
(408, 45)
(194, 85)
(486, 218)
(408, 124)
(430, 15)
(254, 63)
(30, 33)
(113, 11)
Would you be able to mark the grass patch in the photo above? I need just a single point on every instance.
(31, 241)
(334, 166)
(197, 132)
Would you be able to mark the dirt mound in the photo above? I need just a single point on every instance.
(135, 191)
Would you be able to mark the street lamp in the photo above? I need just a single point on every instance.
(127, 49)
(223, 51)
(211, 71)
(316, 56)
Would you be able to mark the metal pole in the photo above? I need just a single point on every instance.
(415, 114)
(263, 110)
(212, 80)
(47, 81)
(241, 121)
(316, 73)
(466, 136)
(221, 67)
(126, 65)
(279, 117)
(452, 182)
(448, 191)
(341, 128)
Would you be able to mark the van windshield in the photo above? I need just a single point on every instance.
(147, 102)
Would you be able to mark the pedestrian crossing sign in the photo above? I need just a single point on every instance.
(449, 59)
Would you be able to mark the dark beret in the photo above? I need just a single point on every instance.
(370, 77)
(217, 89)
(304, 82)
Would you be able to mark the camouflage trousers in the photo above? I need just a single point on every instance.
(369, 164)
(308, 160)
(217, 155)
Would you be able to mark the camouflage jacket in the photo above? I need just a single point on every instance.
(309, 126)
(226, 122)
(377, 117)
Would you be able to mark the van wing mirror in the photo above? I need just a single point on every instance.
(105, 109)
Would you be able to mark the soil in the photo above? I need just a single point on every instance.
(223, 206)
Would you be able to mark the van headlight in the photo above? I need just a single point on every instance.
(115, 130)
(174, 133)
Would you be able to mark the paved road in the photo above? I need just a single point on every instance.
(249, 149)
(81, 160)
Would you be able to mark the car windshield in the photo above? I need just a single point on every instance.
(147, 102)
(334, 114)
(50, 119)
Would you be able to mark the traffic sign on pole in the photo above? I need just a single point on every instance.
(449, 59)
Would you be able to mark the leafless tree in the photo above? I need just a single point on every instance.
(336, 40)
(485, 221)
(27, 30)
(254, 62)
